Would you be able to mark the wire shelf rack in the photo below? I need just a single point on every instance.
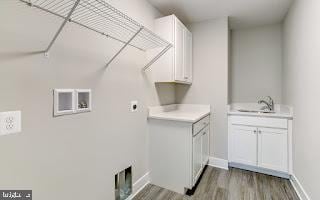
(102, 18)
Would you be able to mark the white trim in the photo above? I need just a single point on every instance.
(139, 185)
(260, 170)
(218, 162)
(298, 188)
(290, 153)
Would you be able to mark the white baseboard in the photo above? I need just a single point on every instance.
(218, 162)
(298, 188)
(139, 185)
(260, 170)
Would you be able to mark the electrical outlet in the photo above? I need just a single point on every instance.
(134, 106)
(10, 122)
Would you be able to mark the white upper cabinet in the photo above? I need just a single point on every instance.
(187, 56)
(176, 64)
(179, 51)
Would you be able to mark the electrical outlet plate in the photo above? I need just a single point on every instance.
(134, 106)
(10, 122)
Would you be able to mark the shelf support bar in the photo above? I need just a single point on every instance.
(62, 26)
(124, 46)
(157, 57)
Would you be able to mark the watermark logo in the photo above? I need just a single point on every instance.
(16, 194)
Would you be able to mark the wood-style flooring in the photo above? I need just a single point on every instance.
(234, 184)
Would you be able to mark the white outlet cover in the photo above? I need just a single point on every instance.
(10, 122)
(134, 104)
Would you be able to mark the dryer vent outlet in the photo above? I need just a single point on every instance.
(123, 184)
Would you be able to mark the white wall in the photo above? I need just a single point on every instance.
(256, 63)
(210, 78)
(301, 89)
(76, 156)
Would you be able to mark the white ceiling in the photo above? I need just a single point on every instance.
(242, 13)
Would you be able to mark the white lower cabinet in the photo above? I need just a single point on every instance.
(197, 157)
(179, 151)
(260, 147)
(205, 145)
(273, 149)
(200, 150)
(244, 145)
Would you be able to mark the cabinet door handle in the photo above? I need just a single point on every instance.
(255, 131)
(259, 132)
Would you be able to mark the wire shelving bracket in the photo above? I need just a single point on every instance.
(102, 18)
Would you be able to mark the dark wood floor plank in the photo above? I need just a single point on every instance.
(234, 184)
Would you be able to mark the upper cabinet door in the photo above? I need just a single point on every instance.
(176, 64)
(273, 149)
(179, 50)
(187, 56)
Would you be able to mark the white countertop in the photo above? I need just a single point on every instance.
(274, 115)
(179, 112)
(281, 111)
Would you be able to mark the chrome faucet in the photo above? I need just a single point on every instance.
(269, 104)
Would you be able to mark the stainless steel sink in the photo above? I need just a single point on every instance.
(256, 111)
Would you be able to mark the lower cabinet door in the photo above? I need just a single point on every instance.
(205, 145)
(244, 141)
(196, 157)
(273, 149)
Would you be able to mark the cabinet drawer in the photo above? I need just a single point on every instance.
(259, 121)
(198, 126)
